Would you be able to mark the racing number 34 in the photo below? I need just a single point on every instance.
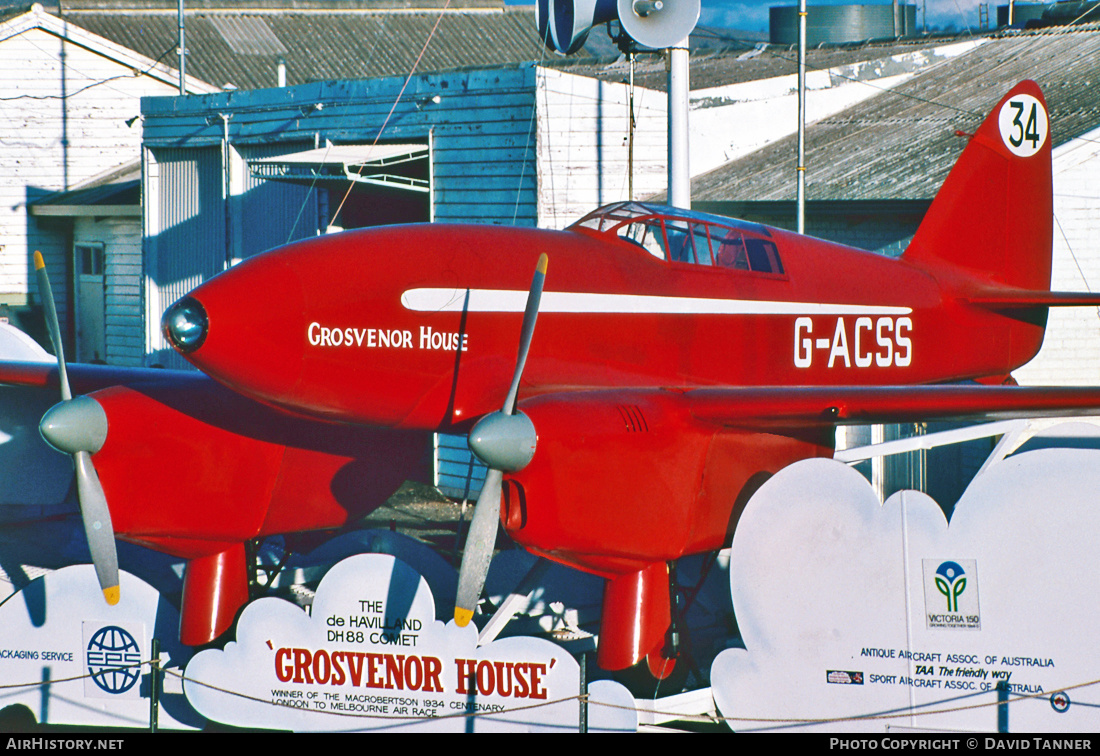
(1022, 131)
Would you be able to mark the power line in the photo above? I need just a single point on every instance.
(135, 73)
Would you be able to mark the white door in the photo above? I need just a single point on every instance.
(91, 318)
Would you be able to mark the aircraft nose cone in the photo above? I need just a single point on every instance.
(79, 424)
(503, 442)
(185, 325)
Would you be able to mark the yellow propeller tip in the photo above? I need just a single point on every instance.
(112, 595)
(542, 263)
(39, 263)
(463, 616)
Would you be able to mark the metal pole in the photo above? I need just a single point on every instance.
(1002, 707)
(679, 169)
(801, 116)
(154, 686)
(583, 725)
(227, 190)
(630, 131)
(181, 51)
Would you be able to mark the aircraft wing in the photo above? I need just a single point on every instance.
(85, 378)
(865, 405)
(35, 481)
(1034, 299)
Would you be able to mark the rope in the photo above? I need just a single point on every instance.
(923, 710)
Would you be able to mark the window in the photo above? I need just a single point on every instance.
(679, 248)
(763, 256)
(744, 251)
(90, 259)
(701, 239)
(647, 235)
(688, 242)
(684, 236)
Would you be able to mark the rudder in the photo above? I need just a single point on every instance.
(993, 216)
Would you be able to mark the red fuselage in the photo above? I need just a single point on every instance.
(369, 327)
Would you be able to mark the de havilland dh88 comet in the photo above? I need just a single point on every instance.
(679, 359)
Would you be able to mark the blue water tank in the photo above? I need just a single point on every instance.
(841, 23)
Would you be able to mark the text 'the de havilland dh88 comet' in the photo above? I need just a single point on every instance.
(679, 359)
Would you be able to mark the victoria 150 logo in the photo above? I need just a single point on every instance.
(951, 594)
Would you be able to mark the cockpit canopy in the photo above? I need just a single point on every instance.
(685, 236)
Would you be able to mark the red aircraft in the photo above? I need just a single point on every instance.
(679, 359)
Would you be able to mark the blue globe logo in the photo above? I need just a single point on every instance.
(114, 659)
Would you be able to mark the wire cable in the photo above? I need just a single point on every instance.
(397, 100)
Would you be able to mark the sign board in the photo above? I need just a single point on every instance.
(371, 655)
(863, 616)
(72, 659)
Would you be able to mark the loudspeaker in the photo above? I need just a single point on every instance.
(564, 24)
(658, 23)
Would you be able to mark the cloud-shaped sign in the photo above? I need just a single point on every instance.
(84, 662)
(370, 655)
(861, 616)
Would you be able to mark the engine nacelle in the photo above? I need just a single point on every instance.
(681, 481)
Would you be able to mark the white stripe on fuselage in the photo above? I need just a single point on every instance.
(504, 300)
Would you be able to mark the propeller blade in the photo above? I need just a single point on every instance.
(46, 292)
(480, 542)
(97, 526)
(80, 428)
(500, 435)
(530, 314)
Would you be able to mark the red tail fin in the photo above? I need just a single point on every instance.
(993, 216)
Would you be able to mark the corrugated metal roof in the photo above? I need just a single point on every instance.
(120, 186)
(9, 13)
(241, 47)
(901, 143)
(248, 36)
(717, 60)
